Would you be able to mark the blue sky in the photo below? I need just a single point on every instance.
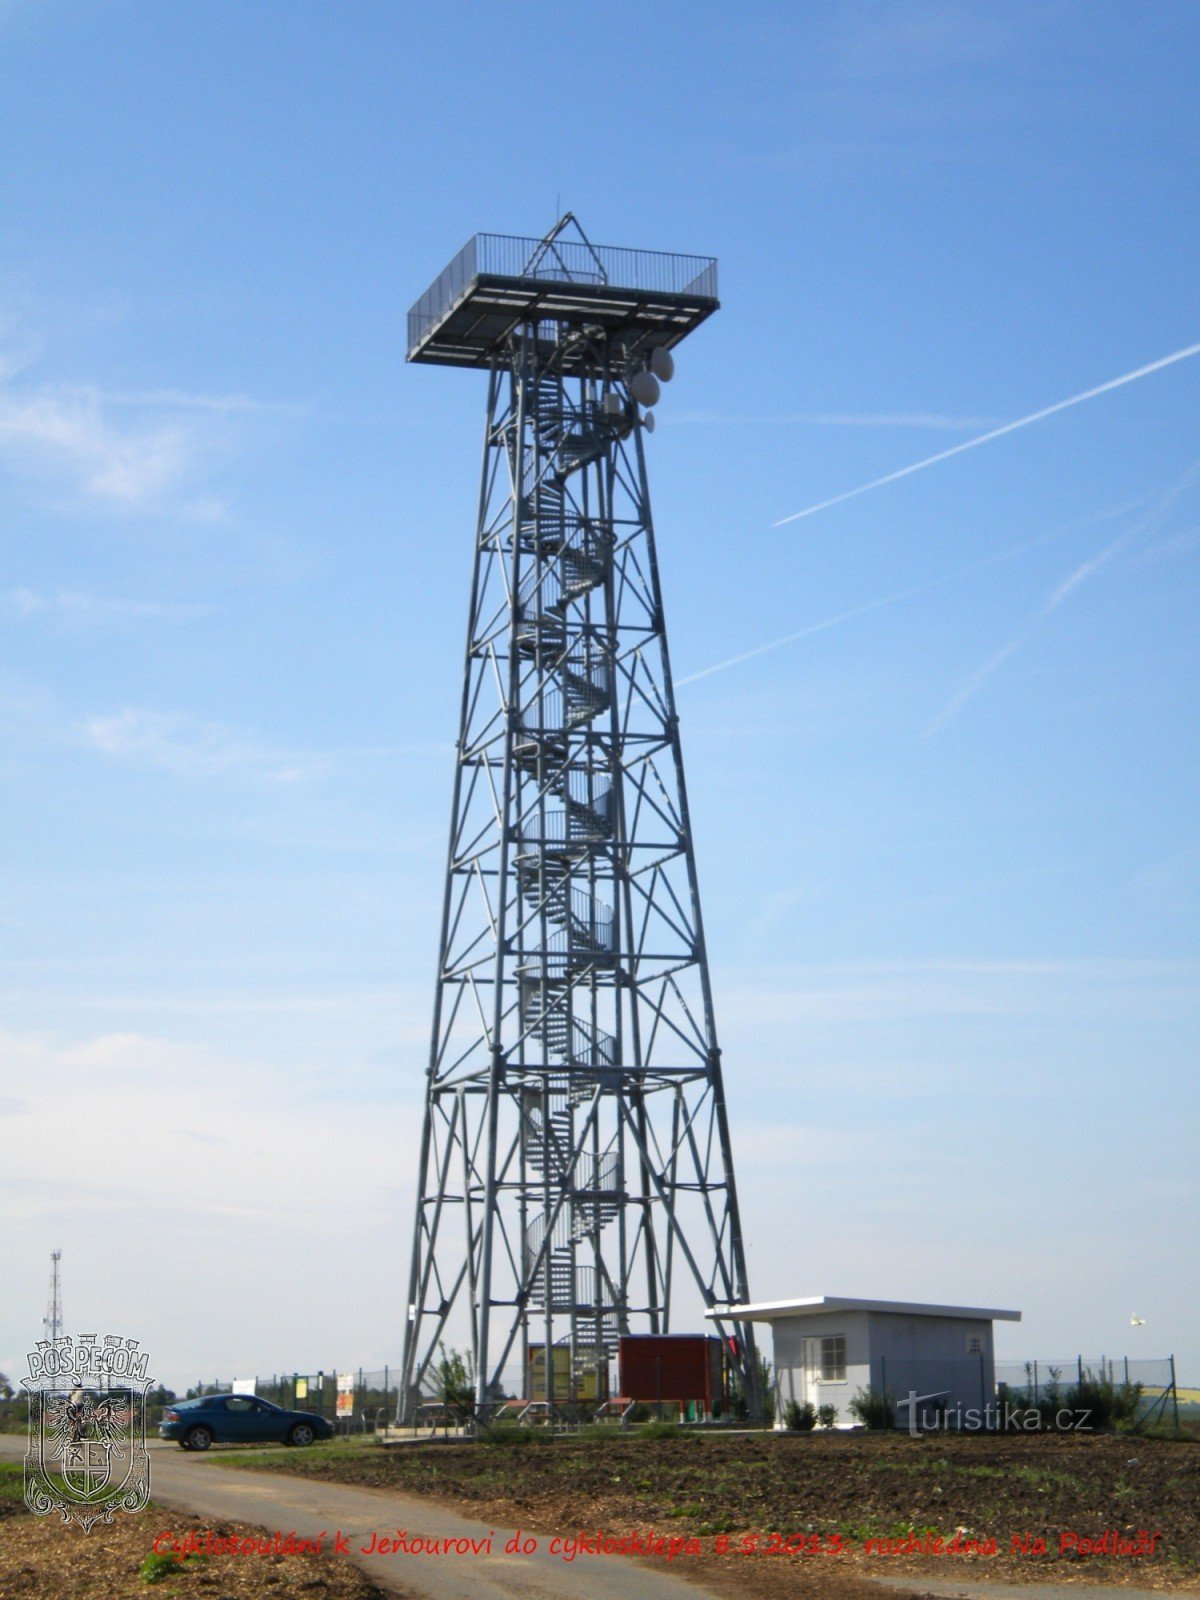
(947, 839)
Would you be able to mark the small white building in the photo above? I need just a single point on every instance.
(828, 1347)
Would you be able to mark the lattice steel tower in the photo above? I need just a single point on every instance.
(575, 1157)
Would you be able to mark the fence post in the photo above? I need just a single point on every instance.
(1036, 1400)
(1174, 1395)
(1079, 1367)
(1127, 1372)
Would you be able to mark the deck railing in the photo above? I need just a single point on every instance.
(564, 261)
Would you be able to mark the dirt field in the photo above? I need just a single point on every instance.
(857, 1501)
(41, 1559)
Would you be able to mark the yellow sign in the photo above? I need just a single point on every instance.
(586, 1385)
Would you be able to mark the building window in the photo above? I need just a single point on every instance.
(974, 1345)
(833, 1359)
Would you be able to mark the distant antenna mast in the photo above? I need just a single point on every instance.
(53, 1321)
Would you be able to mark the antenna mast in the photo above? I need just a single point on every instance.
(53, 1320)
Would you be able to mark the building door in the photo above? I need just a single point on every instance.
(812, 1372)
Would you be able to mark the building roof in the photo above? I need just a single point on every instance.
(775, 1310)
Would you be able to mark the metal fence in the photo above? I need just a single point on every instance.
(563, 261)
(369, 1397)
(1037, 1382)
(969, 1393)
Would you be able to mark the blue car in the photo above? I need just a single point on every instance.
(238, 1419)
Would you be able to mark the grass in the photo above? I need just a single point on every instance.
(12, 1487)
(159, 1565)
(285, 1456)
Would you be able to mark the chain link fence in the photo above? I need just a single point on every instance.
(359, 1400)
(1147, 1387)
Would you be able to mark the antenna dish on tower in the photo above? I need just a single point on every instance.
(662, 363)
(644, 388)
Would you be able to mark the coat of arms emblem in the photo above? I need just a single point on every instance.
(87, 1455)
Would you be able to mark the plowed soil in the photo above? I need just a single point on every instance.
(43, 1559)
(843, 1491)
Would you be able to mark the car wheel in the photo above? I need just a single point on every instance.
(302, 1433)
(197, 1438)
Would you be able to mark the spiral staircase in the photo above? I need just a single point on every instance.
(567, 932)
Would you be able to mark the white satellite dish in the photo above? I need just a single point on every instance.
(662, 363)
(643, 386)
(648, 422)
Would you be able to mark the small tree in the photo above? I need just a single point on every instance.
(456, 1381)
(739, 1402)
(6, 1389)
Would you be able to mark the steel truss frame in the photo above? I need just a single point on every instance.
(575, 1156)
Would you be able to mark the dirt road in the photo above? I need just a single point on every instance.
(311, 1507)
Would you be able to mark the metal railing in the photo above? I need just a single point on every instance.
(564, 261)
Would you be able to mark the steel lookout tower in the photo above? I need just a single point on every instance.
(576, 1175)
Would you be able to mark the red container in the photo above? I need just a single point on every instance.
(674, 1366)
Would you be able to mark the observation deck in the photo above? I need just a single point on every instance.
(634, 300)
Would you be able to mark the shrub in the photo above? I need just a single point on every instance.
(874, 1408)
(1109, 1407)
(800, 1418)
(827, 1416)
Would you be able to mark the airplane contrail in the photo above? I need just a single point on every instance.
(995, 433)
(894, 599)
(813, 627)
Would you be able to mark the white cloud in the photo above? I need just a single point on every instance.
(55, 434)
(906, 41)
(193, 749)
(124, 449)
(79, 608)
(84, 1101)
(792, 1000)
(176, 400)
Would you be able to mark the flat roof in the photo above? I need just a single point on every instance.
(775, 1310)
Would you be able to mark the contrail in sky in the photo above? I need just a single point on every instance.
(1080, 575)
(995, 433)
(813, 627)
(894, 599)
